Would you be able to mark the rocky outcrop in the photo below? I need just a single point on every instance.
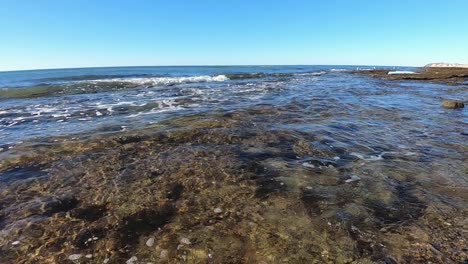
(446, 65)
(452, 104)
(445, 75)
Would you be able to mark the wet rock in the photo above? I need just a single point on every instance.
(74, 257)
(452, 104)
(150, 242)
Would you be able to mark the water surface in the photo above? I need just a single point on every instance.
(245, 164)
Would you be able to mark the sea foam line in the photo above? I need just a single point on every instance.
(165, 80)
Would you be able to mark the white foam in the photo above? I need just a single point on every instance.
(370, 158)
(165, 80)
(312, 73)
(156, 111)
(401, 72)
(308, 165)
(12, 124)
(163, 106)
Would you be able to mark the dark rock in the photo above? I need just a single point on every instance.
(143, 223)
(21, 173)
(90, 213)
(62, 204)
(88, 237)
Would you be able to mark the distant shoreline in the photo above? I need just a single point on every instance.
(446, 75)
(206, 66)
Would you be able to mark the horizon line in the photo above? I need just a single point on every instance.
(204, 65)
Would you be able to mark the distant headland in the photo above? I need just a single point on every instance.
(446, 65)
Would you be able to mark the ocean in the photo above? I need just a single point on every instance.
(43, 103)
(230, 164)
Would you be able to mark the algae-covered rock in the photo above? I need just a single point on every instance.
(452, 104)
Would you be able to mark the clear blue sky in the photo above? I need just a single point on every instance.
(81, 33)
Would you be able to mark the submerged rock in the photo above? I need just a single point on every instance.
(73, 257)
(150, 242)
(452, 104)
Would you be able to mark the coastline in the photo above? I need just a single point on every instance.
(444, 75)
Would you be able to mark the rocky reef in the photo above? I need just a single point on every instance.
(445, 75)
(223, 188)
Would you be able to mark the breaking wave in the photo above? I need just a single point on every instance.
(102, 85)
(155, 81)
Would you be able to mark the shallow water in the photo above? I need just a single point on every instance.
(280, 164)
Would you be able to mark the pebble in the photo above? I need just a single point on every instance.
(353, 178)
(74, 257)
(106, 260)
(132, 260)
(218, 210)
(89, 256)
(15, 243)
(185, 240)
(164, 253)
(150, 242)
